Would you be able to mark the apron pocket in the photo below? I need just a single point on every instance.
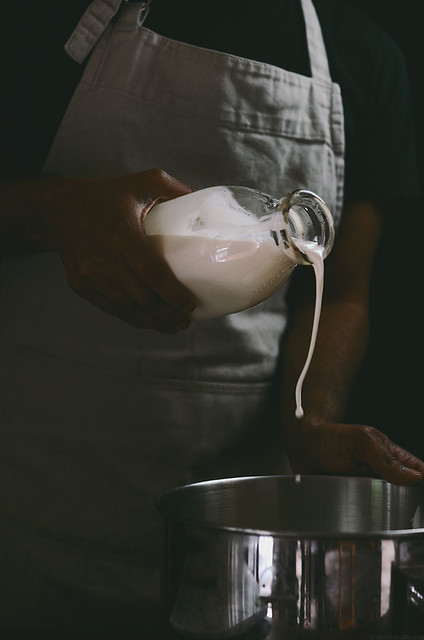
(85, 451)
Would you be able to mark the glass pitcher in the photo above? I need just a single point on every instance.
(233, 246)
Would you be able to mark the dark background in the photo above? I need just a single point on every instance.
(389, 392)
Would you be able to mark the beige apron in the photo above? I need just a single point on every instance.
(98, 418)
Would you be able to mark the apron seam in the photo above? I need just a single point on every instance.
(152, 381)
(282, 133)
(105, 45)
(270, 71)
(310, 84)
(69, 547)
(239, 387)
(205, 52)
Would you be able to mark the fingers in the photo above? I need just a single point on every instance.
(108, 258)
(159, 279)
(116, 289)
(388, 460)
(172, 297)
(155, 185)
(119, 305)
(354, 450)
(411, 468)
(116, 305)
(149, 282)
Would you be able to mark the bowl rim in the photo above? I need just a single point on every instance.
(195, 522)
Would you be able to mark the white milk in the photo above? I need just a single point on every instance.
(225, 275)
(205, 212)
(218, 250)
(199, 236)
(314, 253)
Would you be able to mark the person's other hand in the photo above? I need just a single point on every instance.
(100, 237)
(354, 450)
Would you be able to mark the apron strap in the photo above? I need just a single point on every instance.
(100, 12)
(92, 25)
(316, 48)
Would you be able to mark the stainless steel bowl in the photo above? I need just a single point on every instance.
(276, 557)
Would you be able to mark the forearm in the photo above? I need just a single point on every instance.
(27, 210)
(96, 227)
(339, 350)
(343, 327)
(320, 443)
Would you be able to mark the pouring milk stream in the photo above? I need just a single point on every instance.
(233, 247)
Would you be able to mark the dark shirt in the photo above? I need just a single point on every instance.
(38, 78)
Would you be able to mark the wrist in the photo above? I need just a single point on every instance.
(30, 212)
(315, 414)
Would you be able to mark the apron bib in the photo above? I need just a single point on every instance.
(99, 417)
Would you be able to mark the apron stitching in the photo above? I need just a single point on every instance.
(264, 71)
(87, 33)
(337, 120)
(268, 131)
(237, 387)
(103, 46)
(210, 56)
(239, 125)
(317, 53)
(155, 381)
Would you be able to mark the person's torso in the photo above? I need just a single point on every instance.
(98, 413)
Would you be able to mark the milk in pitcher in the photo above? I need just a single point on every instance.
(233, 247)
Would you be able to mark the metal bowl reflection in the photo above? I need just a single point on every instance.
(270, 557)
